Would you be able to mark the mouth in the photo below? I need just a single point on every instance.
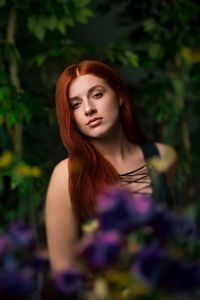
(94, 121)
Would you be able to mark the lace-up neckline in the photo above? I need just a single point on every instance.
(137, 177)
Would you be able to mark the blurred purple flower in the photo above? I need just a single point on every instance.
(185, 227)
(101, 249)
(167, 225)
(22, 235)
(120, 210)
(18, 282)
(70, 281)
(4, 243)
(20, 264)
(162, 224)
(9, 262)
(166, 273)
(142, 210)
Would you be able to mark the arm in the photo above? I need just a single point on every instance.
(61, 225)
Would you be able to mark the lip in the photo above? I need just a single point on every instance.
(94, 121)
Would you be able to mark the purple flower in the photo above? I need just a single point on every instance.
(18, 282)
(70, 281)
(167, 225)
(10, 262)
(165, 272)
(162, 224)
(22, 235)
(185, 228)
(20, 264)
(142, 210)
(101, 249)
(120, 210)
(4, 244)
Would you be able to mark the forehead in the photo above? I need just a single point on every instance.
(83, 83)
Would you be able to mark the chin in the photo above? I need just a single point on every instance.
(101, 135)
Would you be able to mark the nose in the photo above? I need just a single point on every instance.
(89, 109)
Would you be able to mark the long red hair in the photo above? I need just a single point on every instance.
(89, 171)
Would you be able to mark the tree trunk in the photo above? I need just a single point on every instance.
(15, 133)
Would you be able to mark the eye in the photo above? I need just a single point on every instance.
(97, 95)
(75, 105)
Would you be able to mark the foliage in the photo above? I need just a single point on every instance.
(163, 36)
(33, 33)
(19, 175)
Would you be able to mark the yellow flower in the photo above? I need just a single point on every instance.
(90, 226)
(36, 171)
(6, 159)
(100, 290)
(158, 164)
(190, 56)
(164, 162)
(23, 170)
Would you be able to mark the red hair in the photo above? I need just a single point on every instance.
(89, 171)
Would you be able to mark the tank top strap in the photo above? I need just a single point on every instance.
(161, 192)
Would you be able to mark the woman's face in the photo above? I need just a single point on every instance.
(94, 105)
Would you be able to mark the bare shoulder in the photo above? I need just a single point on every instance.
(60, 172)
(61, 168)
(58, 184)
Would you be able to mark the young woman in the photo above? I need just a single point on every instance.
(99, 128)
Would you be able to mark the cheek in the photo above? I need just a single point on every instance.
(77, 116)
(113, 106)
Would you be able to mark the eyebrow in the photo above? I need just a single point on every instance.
(88, 93)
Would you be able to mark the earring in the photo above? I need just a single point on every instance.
(120, 102)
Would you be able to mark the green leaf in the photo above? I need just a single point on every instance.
(132, 58)
(83, 14)
(15, 181)
(49, 22)
(39, 33)
(31, 23)
(61, 25)
(155, 51)
(149, 25)
(36, 27)
(39, 59)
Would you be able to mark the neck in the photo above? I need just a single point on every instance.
(114, 148)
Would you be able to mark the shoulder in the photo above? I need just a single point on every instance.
(60, 171)
(62, 166)
(58, 183)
